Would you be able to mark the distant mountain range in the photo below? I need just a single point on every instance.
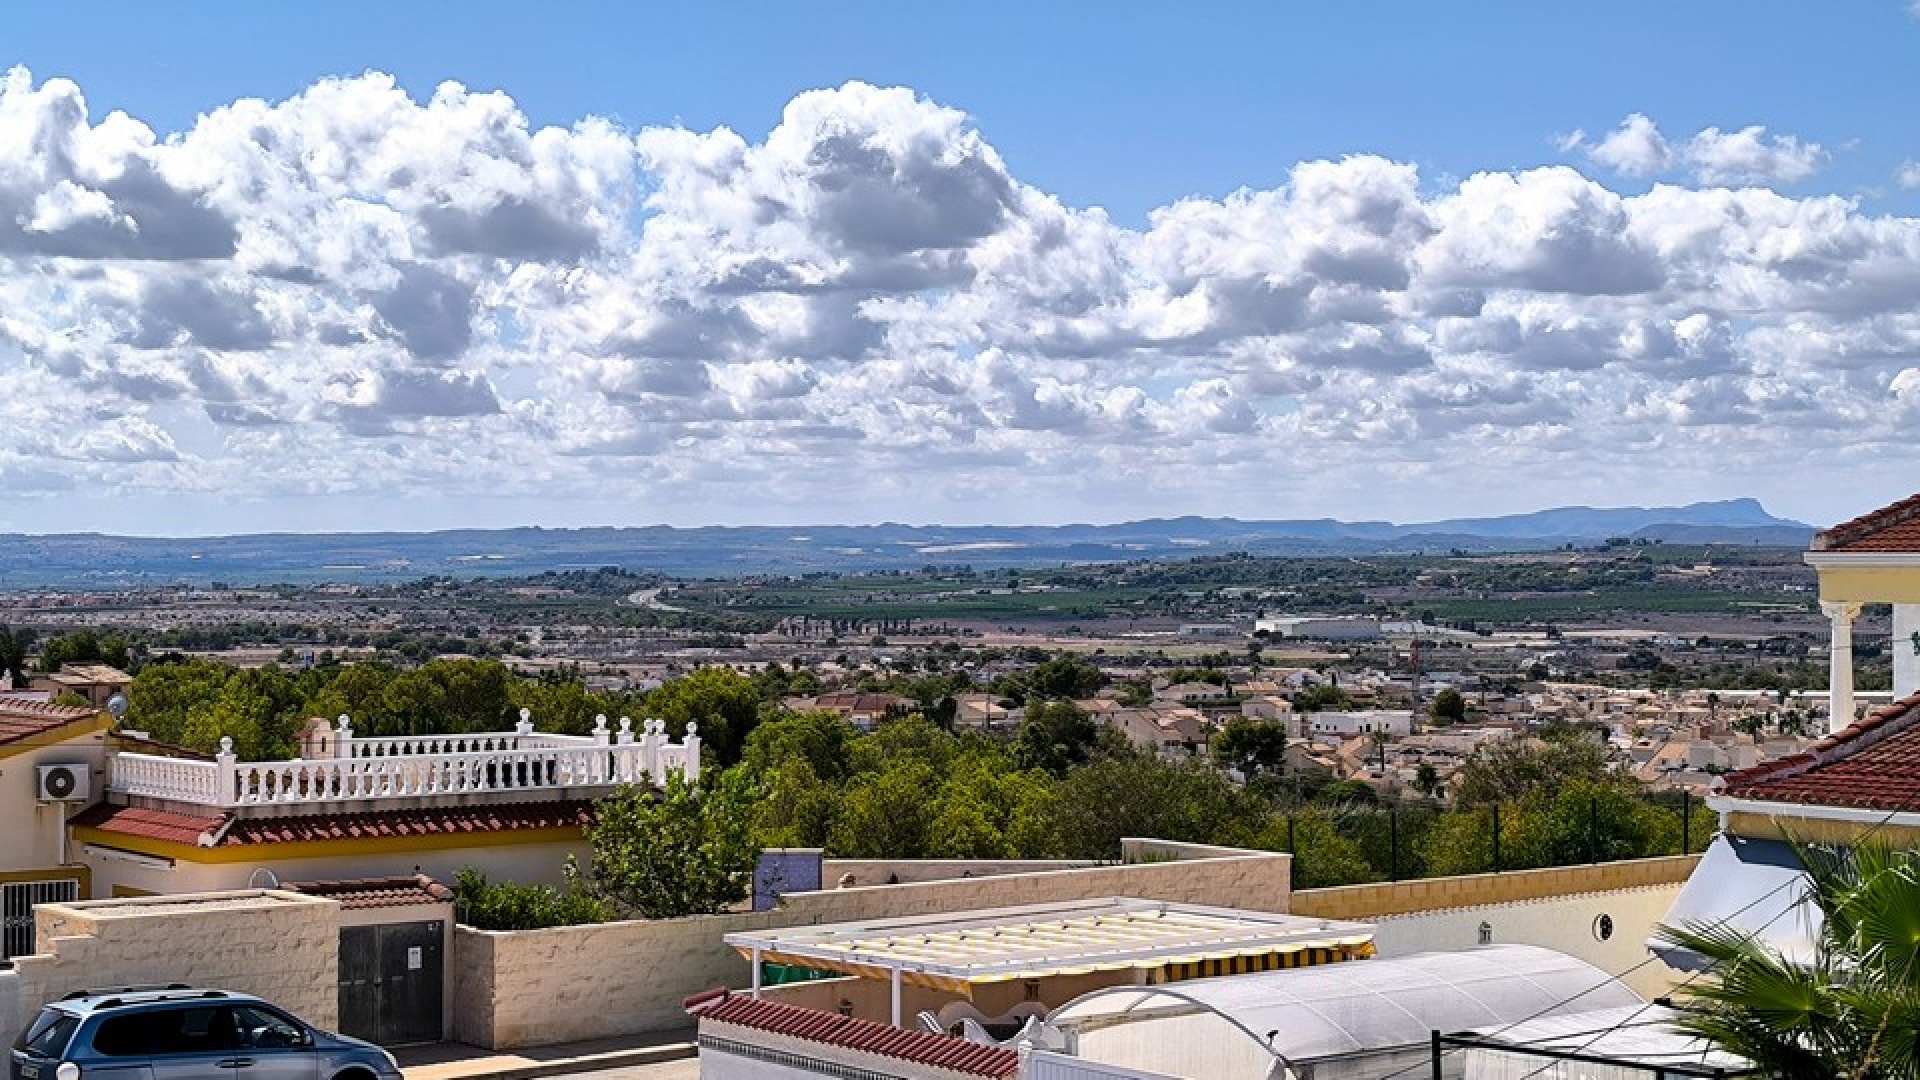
(96, 561)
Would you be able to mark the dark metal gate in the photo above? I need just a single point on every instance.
(16, 911)
(391, 982)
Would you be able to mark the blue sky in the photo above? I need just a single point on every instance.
(1127, 106)
(928, 317)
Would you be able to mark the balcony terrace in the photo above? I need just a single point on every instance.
(339, 769)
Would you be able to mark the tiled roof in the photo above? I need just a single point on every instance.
(141, 744)
(424, 821)
(849, 1033)
(148, 824)
(377, 892)
(1872, 764)
(22, 719)
(1891, 529)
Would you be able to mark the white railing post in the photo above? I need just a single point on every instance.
(623, 754)
(343, 738)
(650, 749)
(690, 767)
(525, 726)
(598, 771)
(224, 790)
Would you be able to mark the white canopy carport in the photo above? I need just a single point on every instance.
(1346, 1019)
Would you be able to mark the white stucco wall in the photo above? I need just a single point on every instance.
(1565, 923)
(31, 836)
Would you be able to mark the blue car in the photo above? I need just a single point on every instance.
(177, 1032)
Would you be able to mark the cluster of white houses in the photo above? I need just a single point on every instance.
(1093, 971)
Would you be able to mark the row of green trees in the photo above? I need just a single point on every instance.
(1060, 787)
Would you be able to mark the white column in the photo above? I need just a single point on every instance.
(896, 996)
(1840, 663)
(1906, 650)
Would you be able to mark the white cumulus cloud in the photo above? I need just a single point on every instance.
(864, 312)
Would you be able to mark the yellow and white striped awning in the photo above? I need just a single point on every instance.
(1167, 942)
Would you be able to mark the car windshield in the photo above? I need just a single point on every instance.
(49, 1034)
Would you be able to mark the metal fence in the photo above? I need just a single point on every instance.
(16, 911)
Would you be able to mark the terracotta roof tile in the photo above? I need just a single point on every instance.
(423, 821)
(1872, 764)
(1893, 529)
(849, 1033)
(22, 719)
(377, 892)
(148, 824)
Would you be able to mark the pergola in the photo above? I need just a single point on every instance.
(1157, 941)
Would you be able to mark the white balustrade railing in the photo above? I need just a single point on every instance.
(417, 767)
(167, 778)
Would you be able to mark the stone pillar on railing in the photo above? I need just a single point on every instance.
(692, 743)
(343, 737)
(525, 726)
(224, 773)
(626, 761)
(650, 749)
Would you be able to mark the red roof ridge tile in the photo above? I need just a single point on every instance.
(1869, 764)
(1854, 530)
(1870, 729)
(409, 821)
(396, 891)
(850, 1033)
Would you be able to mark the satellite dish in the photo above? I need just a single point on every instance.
(117, 705)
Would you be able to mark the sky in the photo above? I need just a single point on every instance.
(368, 266)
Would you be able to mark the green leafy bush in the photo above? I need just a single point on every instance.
(506, 905)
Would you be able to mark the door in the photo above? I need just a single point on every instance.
(391, 982)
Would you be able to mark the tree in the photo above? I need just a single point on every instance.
(1322, 857)
(13, 651)
(1054, 736)
(887, 814)
(683, 851)
(1448, 707)
(1325, 697)
(1426, 780)
(1509, 771)
(1251, 746)
(1063, 677)
(821, 739)
(725, 704)
(84, 647)
(1143, 795)
(445, 697)
(1852, 1009)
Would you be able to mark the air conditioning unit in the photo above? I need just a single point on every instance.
(62, 783)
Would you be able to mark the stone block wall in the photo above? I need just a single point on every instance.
(281, 946)
(534, 987)
(1366, 902)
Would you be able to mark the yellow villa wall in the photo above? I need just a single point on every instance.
(1870, 585)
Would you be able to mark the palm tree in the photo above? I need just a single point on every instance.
(1852, 1009)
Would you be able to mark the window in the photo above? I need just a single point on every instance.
(49, 1034)
(264, 1029)
(199, 1030)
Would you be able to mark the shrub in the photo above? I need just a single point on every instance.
(506, 905)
